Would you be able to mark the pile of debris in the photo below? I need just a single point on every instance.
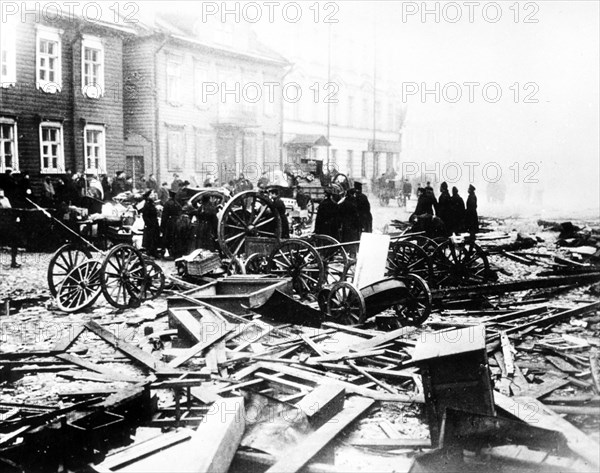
(503, 375)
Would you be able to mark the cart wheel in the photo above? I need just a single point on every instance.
(66, 258)
(334, 259)
(257, 264)
(460, 264)
(247, 214)
(80, 288)
(155, 280)
(300, 261)
(417, 306)
(345, 304)
(407, 258)
(123, 274)
(349, 270)
(427, 244)
(342, 180)
(311, 211)
(233, 266)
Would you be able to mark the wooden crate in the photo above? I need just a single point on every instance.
(260, 245)
(200, 267)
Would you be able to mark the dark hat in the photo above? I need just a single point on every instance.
(471, 187)
(444, 186)
(185, 183)
(358, 185)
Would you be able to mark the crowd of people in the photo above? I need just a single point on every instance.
(446, 215)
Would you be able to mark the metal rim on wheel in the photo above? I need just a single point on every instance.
(417, 307)
(155, 280)
(345, 304)
(407, 258)
(334, 259)
(64, 260)
(460, 264)
(300, 261)
(249, 213)
(80, 288)
(123, 276)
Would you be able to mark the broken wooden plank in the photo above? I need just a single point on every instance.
(561, 364)
(322, 403)
(199, 347)
(507, 354)
(595, 370)
(533, 412)
(374, 342)
(391, 443)
(304, 451)
(313, 346)
(76, 360)
(67, 340)
(132, 351)
(255, 461)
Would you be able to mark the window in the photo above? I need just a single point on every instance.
(175, 149)
(95, 149)
(349, 162)
(203, 150)
(350, 120)
(51, 147)
(92, 67)
(8, 145)
(49, 74)
(174, 87)
(8, 71)
(200, 78)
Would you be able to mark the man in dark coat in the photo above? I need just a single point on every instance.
(168, 225)
(457, 214)
(151, 239)
(163, 193)
(364, 209)
(350, 223)
(425, 202)
(206, 231)
(471, 217)
(327, 221)
(444, 206)
(280, 207)
(119, 184)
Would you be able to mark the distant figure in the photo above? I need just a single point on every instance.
(151, 238)
(243, 184)
(152, 183)
(301, 198)
(350, 223)
(8, 184)
(407, 189)
(327, 220)
(163, 193)
(425, 202)
(444, 208)
(280, 207)
(11, 231)
(119, 184)
(168, 225)
(206, 231)
(471, 217)
(428, 188)
(209, 181)
(176, 183)
(48, 193)
(263, 182)
(106, 187)
(457, 214)
(364, 208)
(129, 184)
(182, 195)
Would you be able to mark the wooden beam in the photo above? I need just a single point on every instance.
(304, 451)
(322, 403)
(97, 369)
(199, 347)
(132, 351)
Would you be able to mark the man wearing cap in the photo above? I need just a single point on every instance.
(443, 209)
(280, 207)
(364, 209)
(350, 227)
(471, 217)
(168, 225)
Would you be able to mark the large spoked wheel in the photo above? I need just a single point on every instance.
(123, 276)
(257, 264)
(300, 261)
(335, 259)
(407, 258)
(80, 288)
(66, 258)
(417, 306)
(460, 264)
(345, 304)
(216, 199)
(155, 280)
(311, 208)
(247, 214)
(341, 180)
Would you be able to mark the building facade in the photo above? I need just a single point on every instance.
(348, 99)
(61, 102)
(196, 103)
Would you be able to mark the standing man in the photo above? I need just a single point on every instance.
(444, 207)
(168, 226)
(163, 193)
(364, 208)
(119, 184)
(350, 224)
(457, 215)
(151, 238)
(152, 183)
(10, 235)
(471, 217)
(327, 222)
(176, 184)
(281, 210)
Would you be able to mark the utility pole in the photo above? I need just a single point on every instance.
(328, 101)
(374, 87)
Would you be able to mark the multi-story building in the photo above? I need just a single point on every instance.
(196, 103)
(61, 104)
(350, 113)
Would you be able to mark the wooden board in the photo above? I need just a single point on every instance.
(371, 259)
(322, 403)
(303, 452)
